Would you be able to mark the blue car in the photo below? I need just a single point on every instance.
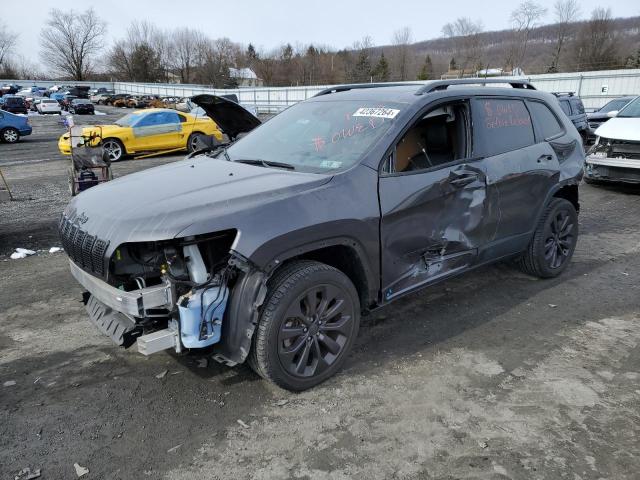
(12, 127)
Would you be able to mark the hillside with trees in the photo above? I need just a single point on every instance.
(539, 40)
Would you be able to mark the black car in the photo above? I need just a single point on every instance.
(81, 106)
(14, 104)
(600, 116)
(65, 103)
(573, 108)
(268, 249)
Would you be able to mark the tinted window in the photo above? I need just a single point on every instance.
(546, 122)
(566, 108)
(503, 125)
(577, 105)
(614, 105)
(159, 118)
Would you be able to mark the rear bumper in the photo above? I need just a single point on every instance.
(612, 169)
(133, 303)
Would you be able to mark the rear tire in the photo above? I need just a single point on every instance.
(553, 242)
(10, 135)
(192, 141)
(308, 324)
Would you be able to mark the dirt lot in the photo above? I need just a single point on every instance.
(493, 375)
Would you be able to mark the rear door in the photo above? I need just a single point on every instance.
(521, 168)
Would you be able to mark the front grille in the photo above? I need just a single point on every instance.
(85, 250)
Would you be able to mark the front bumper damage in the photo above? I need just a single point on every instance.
(121, 314)
(607, 169)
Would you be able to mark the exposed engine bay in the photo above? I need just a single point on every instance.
(183, 285)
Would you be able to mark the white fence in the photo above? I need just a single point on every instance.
(595, 89)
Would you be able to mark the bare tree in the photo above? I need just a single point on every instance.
(70, 41)
(184, 52)
(401, 52)
(8, 41)
(565, 12)
(524, 19)
(142, 55)
(468, 46)
(597, 45)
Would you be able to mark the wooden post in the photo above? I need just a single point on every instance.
(4, 180)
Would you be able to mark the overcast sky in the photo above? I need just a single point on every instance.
(268, 24)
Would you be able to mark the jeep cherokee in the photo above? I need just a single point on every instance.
(270, 247)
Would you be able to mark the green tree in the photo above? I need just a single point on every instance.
(146, 64)
(452, 64)
(381, 72)
(426, 72)
(362, 69)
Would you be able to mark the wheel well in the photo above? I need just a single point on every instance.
(570, 193)
(347, 260)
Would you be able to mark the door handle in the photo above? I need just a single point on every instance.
(460, 178)
(546, 158)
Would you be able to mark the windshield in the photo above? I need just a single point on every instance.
(614, 105)
(318, 136)
(631, 110)
(128, 120)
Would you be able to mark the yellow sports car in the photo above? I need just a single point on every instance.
(151, 130)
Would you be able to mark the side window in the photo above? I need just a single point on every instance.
(547, 124)
(182, 118)
(566, 108)
(502, 125)
(439, 137)
(576, 105)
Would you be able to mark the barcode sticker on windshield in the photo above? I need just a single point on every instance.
(377, 112)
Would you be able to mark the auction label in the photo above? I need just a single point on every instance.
(377, 112)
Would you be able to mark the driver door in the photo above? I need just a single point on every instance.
(158, 131)
(435, 210)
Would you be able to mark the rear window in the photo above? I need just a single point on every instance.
(577, 105)
(547, 123)
(503, 125)
(566, 108)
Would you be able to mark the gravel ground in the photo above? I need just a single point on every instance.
(493, 375)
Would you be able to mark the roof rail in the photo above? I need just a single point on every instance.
(437, 85)
(557, 94)
(356, 86)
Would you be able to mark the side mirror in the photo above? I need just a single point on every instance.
(612, 114)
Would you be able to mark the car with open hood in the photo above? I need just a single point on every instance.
(269, 248)
(615, 156)
(149, 131)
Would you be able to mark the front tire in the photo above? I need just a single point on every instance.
(553, 242)
(308, 324)
(114, 149)
(10, 135)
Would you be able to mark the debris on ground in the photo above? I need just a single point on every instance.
(483, 444)
(552, 305)
(162, 374)
(21, 253)
(203, 363)
(9, 383)
(55, 249)
(173, 449)
(242, 424)
(282, 403)
(80, 470)
(27, 474)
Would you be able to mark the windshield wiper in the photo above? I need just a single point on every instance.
(265, 163)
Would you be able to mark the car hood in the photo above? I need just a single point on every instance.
(162, 202)
(619, 128)
(231, 117)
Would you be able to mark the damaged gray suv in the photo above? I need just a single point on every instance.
(269, 248)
